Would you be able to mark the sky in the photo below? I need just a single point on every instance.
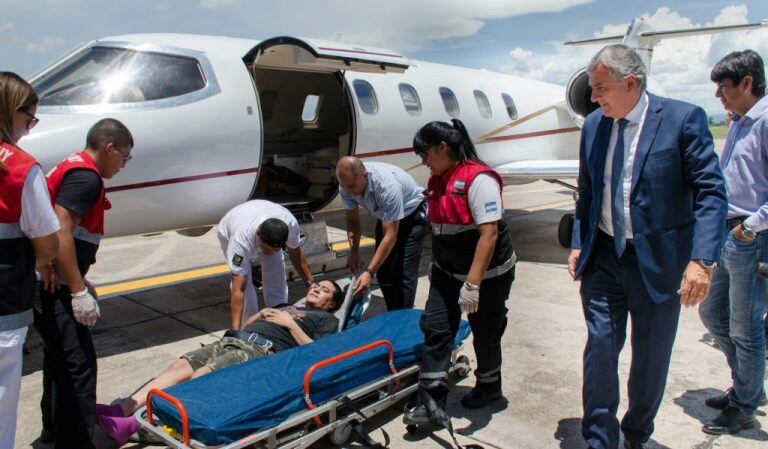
(519, 37)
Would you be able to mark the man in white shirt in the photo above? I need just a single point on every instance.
(257, 231)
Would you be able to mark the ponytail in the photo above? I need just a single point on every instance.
(455, 135)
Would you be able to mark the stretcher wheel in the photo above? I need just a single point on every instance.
(340, 435)
(411, 428)
(463, 367)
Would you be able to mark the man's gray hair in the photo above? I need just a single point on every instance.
(622, 61)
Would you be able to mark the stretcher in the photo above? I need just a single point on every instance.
(298, 396)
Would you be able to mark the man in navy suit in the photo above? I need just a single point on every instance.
(647, 234)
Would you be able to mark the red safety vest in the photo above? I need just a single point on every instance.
(91, 227)
(454, 233)
(17, 258)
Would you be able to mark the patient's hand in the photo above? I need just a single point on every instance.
(279, 317)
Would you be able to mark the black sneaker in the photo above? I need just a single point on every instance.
(480, 397)
(730, 421)
(721, 402)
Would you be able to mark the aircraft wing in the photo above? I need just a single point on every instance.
(530, 170)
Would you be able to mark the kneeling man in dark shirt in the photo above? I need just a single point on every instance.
(270, 330)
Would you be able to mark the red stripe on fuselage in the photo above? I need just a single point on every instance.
(488, 140)
(163, 182)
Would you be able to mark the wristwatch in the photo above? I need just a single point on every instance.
(708, 264)
(747, 231)
(371, 272)
(471, 287)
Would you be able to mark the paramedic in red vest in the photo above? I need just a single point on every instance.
(27, 239)
(472, 267)
(77, 191)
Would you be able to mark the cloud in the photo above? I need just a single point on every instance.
(45, 45)
(6, 26)
(405, 25)
(216, 4)
(681, 66)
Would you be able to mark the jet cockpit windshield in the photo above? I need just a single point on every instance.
(101, 75)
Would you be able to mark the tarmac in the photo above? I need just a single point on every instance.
(143, 331)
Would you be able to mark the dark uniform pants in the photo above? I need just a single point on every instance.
(399, 274)
(69, 373)
(440, 323)
(612, 289)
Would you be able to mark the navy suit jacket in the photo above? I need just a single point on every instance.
(678, 202)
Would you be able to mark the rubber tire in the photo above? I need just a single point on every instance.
(565, 230)
(341, 435)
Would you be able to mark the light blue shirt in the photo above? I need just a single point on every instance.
(745, 166)
(390, 193)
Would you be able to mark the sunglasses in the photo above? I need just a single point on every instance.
(33, 120)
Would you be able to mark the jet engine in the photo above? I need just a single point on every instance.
(578, 96)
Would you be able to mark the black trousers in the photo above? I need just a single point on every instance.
(69, 373)
(611, 291)
(440, 323)
(399, 274)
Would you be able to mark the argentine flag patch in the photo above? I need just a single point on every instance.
(491, 206)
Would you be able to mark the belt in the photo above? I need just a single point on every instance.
(605, 235)
(731, 223)
(250, 337)
(492, 273)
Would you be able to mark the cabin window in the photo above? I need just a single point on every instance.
(449, 101)
(311, 109)
(510, 104)
(366, 97)
(410, 99)
(106, 75)
(482, 103)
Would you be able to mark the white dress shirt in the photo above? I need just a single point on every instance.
(636, 118)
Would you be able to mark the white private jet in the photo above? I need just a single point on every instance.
(219, 120)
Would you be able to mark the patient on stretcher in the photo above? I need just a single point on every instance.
(270, 330)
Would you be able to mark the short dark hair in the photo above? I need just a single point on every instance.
(273, 232)
(108, 130)
(738, 64)
(338, 297)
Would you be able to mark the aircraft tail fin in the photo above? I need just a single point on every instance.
(642, 38)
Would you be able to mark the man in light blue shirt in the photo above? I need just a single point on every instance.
(393, 197)
(733, 311)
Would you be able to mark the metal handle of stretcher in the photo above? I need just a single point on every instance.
(176, 403)
(340, 357)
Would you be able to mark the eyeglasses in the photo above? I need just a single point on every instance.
(33, 120)
(126, 157)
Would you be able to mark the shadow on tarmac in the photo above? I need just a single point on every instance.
(692, 403)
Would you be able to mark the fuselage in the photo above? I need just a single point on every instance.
(210, 119)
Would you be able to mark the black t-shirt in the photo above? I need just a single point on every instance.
(314, 322)
(80, 189)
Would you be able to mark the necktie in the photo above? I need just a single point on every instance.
(617, 191)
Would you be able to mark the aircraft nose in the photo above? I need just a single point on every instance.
(56, 136)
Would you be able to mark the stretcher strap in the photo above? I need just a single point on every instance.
(357, 426)
(439, 416)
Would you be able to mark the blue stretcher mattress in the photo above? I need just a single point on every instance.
(230, 404)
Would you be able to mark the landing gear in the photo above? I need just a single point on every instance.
(565, 230)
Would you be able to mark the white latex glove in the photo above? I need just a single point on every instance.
(85, 308)
(469, 301)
